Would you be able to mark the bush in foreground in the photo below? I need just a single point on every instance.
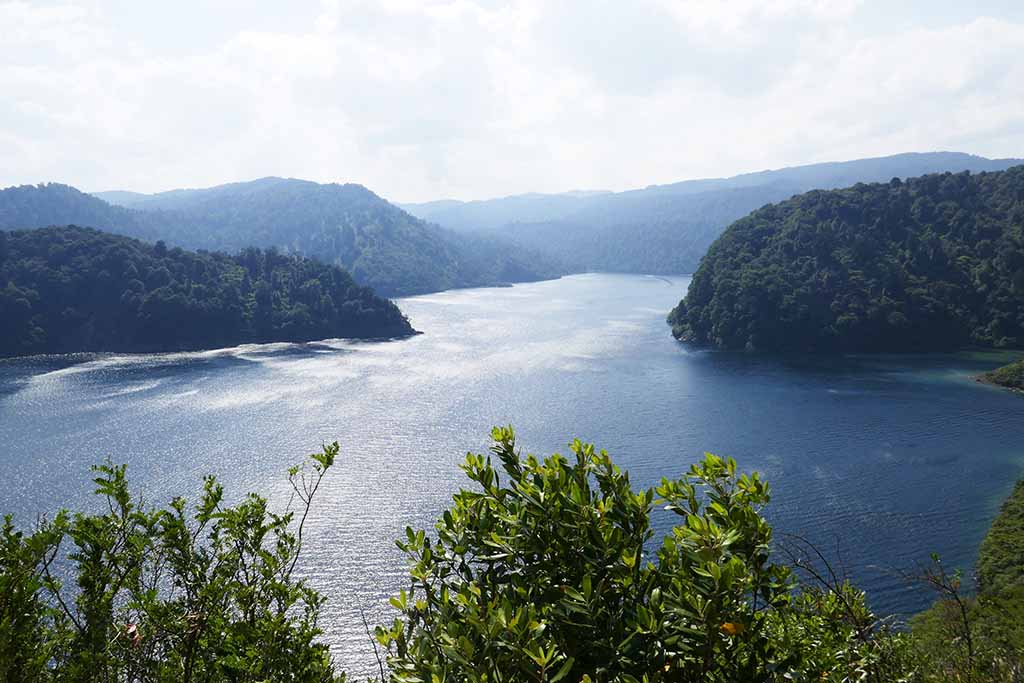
(543, 570)
(542, 573)
(979, 637)
(137, 594)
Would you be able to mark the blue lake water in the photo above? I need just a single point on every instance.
(878, 460)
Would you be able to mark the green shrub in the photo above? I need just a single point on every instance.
(984, 643)
(543, 572)
(138, 594)
(978, 638)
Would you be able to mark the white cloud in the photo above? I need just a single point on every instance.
(420, 100)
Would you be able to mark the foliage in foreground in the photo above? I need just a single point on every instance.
(137, 594)
(979, 637)
(542, 573)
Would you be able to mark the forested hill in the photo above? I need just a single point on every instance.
(37, 206)
(68, 289)
(346, 225)
(666, 229)
(933, 263)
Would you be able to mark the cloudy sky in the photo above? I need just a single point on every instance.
(470, 99)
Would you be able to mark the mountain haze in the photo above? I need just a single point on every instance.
(381, 245)
(666, 229)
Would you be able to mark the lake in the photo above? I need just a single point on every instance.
(878, 460)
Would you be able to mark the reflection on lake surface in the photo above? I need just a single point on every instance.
(879, 460)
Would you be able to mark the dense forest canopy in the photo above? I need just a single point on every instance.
(933, 263)
(345, 225)
(666, 229)
(66, 289)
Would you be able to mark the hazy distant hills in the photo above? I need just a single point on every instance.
(35, 206)
(121, 197)
(444, 244)
(381, 245)
(493, 214)
(666, 229)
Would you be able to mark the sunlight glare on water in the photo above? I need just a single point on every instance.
(880, 460)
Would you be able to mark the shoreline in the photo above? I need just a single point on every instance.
(1009, 376)
(985, 379)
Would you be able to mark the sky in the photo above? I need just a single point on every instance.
(431, 99)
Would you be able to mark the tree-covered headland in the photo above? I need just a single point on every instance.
(69, 289)
(931, 263)
(542, 570)
(1010, 376)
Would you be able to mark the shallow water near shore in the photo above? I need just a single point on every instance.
(879, 460)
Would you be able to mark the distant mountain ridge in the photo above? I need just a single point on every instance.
(120, 197)
(381, 245)
(666, 229)
(189, 198)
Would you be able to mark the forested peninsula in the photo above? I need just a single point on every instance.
(1010, 376)
(69, 289)
(931, 263)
